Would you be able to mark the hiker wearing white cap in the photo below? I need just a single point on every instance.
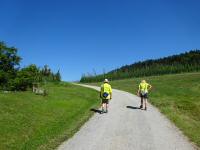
(105, 95)
(143, 89)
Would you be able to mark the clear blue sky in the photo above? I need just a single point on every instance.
(77, 36)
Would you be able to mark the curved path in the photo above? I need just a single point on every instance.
(126, 127)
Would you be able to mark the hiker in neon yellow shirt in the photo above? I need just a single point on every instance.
(143, 89)
(105, 95)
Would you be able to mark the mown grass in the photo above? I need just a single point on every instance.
(177, 96)
(29, 121)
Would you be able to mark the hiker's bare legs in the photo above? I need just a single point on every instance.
(145, 103)
(103, 106)
(106, 107)
(141, 106)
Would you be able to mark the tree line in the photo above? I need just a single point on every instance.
(184, 62)
(12, 77)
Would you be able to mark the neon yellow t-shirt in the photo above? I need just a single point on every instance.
(106, 88)
(143, 87)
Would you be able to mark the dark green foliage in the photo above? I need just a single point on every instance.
(185, 62)
(48, 75)
(9, 61)
(14, 78)
(25, 78)
(58, 76)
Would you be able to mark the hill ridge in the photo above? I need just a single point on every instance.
(183, 62)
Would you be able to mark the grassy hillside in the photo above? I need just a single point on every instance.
(184, 62)
(177, 96)
(30, 121)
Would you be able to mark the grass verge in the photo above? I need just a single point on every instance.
(177, 96)
(30, 121)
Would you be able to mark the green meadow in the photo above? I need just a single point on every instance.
(177, 96)
(30, 121)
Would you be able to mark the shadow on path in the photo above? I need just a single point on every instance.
(132, 107)
(95, 110)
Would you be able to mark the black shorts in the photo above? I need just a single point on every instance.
(105, 101)
(144, 95)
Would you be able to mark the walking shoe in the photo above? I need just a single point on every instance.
(145, 108)
(141, 106)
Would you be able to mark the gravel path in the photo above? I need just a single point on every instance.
(126, 127)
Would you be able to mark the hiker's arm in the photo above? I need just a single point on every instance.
(138, 92)
(110, 92)
(100, 95)
(150, 87)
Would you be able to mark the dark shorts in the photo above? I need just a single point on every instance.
(106, 101)
(144, 96)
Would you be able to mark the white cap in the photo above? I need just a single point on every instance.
(143, 81)
(106, 81)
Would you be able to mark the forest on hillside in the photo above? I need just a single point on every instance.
(184, 62)
(15, 78)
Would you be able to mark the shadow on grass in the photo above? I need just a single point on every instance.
(132, 107)
(95, 110)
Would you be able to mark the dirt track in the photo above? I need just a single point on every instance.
(126, 127)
